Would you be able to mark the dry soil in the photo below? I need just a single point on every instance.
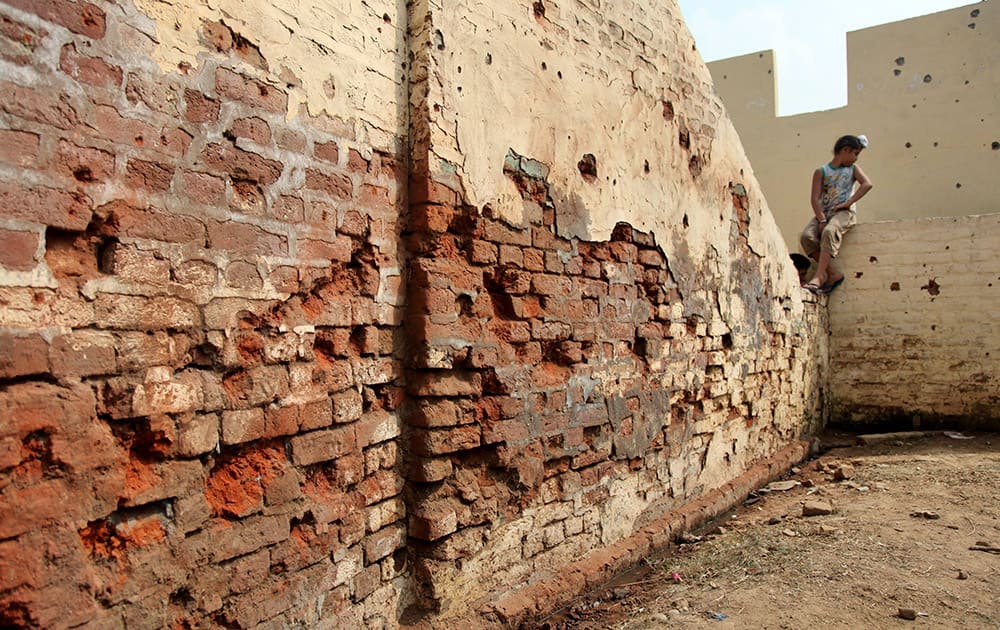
(915, 531)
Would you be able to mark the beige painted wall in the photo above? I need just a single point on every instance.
(926, 91)
(914, 332)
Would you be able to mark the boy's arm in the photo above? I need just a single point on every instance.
(817, 189)
(864, 185)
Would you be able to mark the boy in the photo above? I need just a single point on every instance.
(833, 199)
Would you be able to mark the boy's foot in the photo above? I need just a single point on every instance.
(828, 288)
(813, 286)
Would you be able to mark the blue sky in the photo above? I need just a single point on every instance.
(805, 34)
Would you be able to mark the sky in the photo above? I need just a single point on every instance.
(804, 34)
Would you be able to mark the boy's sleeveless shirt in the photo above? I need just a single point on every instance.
(838, 186)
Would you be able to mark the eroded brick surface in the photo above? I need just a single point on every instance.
(264, 367)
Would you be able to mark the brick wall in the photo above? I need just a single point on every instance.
(291, 338)
(914, 337)
(200, 311)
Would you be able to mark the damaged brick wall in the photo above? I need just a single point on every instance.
(602, 324)
(199, 359)
(292, 334)
(560, 397)
(914, 339)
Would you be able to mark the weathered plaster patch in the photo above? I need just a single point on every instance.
(342, 59)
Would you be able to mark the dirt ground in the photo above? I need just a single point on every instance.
(916, 525)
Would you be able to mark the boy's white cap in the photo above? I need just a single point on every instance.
(864, 140)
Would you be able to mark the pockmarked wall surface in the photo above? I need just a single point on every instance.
(923, 90)
(915, 339)
(340, 316)
(611, 327)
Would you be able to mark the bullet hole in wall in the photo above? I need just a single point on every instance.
(386, 18)
(460, 69)
(972, 25)
(559, 74)
(645, 166)
(439, 40)
(684, 221)
(858, 274)
(894, 286)
(958, 184)
(539, 10)
(927, 78)
(908, 145)
(935, 144)
(489, 59)
(897, 72)
(932, 287)
(668, 110)
(900, 61)
(872, 259)
(974, 13)
(544, 67)
(995, 145)
(588, 167)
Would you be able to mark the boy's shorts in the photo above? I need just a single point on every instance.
(813, 241)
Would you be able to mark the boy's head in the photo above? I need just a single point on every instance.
(848, 147)
(850, 142)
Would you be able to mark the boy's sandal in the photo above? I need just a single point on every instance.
(813, 286)
(828, 288)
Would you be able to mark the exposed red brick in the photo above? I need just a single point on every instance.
(339, 249)
(49, 108)
(85, 164)
(18, 147)
(200, 108)
(19, 40)
(80, 17)
(48, 206)
(318, 446)
(80, 354)
(18, 249)
(174, 141)
(91, 70)
(356, 162)
(336, 185)
(150, 175)
(203, 189)
(252, 128)
(240, 164)
(443, 441)
(111, 125)
(118, 218)
(375, 196)
(288, 208)
(245, 238)
(290, 139)
(22, 354)
(327, 151)
(250, 91)
(236, 485)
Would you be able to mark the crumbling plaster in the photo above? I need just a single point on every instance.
(341, 58)
(592, 95)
